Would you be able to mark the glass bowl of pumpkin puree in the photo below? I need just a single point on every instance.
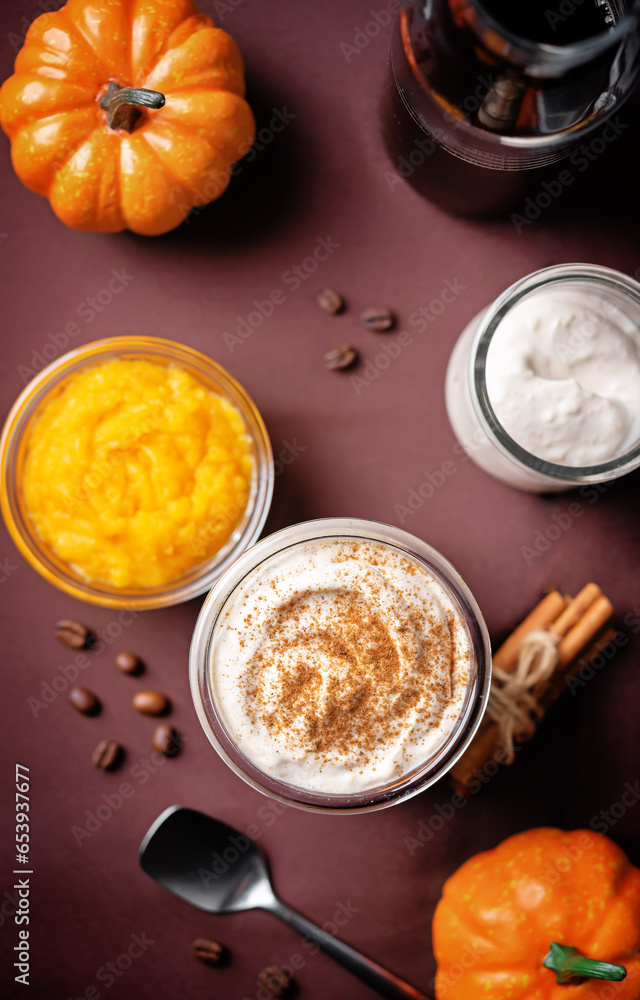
(135, 470)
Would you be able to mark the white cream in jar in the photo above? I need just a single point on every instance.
(543, 386)
(563, 377)
(340, 665)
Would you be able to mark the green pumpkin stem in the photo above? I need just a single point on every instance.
(569, 965)
(124, 104)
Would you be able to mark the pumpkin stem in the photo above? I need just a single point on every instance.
(569, 965)
(124, 104)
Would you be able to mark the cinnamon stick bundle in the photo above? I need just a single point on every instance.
(577, 623)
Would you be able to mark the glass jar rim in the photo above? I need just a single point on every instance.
(605, 277)
(12, 442)
(542, 58)
(370, 799)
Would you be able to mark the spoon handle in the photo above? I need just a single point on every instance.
(385, 983)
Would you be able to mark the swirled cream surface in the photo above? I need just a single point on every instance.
(339, 665)
(563, 377)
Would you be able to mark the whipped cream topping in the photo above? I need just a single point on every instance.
(563, 377)
(340, 665)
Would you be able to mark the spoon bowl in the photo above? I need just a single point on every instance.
(205, 862)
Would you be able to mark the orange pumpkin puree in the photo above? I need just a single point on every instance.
(135, 472)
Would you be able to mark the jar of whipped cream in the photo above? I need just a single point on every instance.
(543, 386)
(340, 666)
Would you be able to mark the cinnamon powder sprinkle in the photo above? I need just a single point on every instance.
(333, 674)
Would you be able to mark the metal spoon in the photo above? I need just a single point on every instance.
(218, 869)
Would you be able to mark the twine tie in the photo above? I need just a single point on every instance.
(513, 704)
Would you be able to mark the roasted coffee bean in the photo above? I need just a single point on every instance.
(73, 634)
(84, 701)
(166, 740)
(129, 663)
(330, 302)
(151, 702)
(107, 755)
(276, 981)
(340, 357)
(207, 951)
(378, 319)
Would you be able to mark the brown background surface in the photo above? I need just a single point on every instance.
(324, 175)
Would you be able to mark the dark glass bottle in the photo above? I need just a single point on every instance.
(483, 97)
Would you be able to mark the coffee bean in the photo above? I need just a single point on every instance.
(84, 701)
(276, 981)
(166, 740)
(331, 302)
(107, 755)
(73, 634)
(378, 319)
(208, 951)
(340, 357)
(129, 663)
(151, 702)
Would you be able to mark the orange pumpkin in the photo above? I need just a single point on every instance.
(501, 911)
(126, 113)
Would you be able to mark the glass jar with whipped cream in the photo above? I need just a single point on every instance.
(543, 386)
(340, 665)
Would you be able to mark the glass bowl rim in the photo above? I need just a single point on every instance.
(35, 393)
(371, 799)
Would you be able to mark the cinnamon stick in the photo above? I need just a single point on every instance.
(542, 616)
(483, 749)
(578, 621)
(584, 630)
(487, 739)
(576, 609)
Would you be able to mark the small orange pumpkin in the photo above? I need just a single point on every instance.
(126, 113)
(546, 915)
